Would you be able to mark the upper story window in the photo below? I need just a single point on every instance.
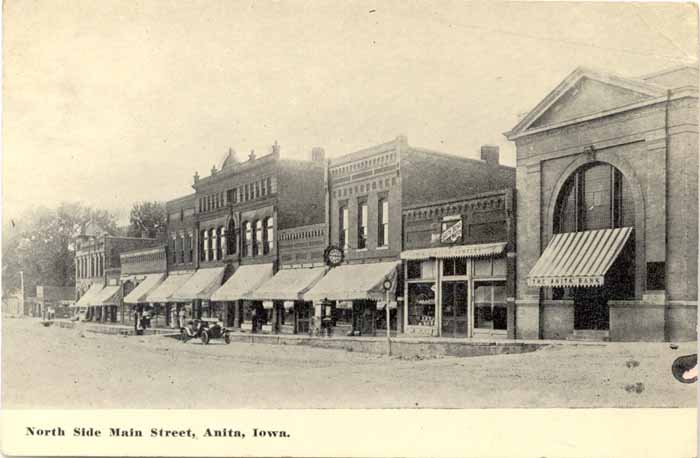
(173, 248)
(383, 222)
(362, 220)
(181, 246)
(269, 185)
(257, 237)
(212, 245)
(248, 245)
(594, 197)
(190, 251)
(269, 236)
(343, 225)
(232, 196)
(221, 243)
(203, 245)
(247, 193)
(231, 237)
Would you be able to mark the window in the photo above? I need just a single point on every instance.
(490, 311)
(258, 237)
(269, 185)
(594, 197)
(231, 196)
(247, 246)
(182, 214)
(231, 238)
(362, 214)
(173, 248)
(269, 236)
(383, 220)
(343, 225)
(257, 189)
(421, 304)
(212, 245)
(190, 237)
(454, 267)
(263, 189)
(247, 195)
(182, 247)
(221, 243)
(203, 245)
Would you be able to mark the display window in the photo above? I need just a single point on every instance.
(421, 304)
(490, 309)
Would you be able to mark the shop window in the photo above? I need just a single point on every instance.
(383, 222)
(413, 270)
(231, 238)
(490, 309)
(421, 304)
(656, 275)
(499, 266)
(454, 267)
(362, 216)
(483, 267)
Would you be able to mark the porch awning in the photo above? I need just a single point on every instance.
(243, 282)
(578, 258)
(354, 282)
(89, 295)
(109, 295)
(138, 295)
(166, 289)
(201, 285)
(458, 251)
(289, 284)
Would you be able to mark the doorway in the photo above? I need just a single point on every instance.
(591, 311)
(455, 309)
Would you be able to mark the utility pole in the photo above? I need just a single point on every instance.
(387, 287)
(21, 292)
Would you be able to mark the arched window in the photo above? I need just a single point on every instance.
(231, 237)
(248, 245)
(221, 242)
(212, 244)
(269, 235)
(594, 197)
(257, 237)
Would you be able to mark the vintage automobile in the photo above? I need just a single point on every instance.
(205, 329)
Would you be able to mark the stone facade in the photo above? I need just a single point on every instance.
(646, 128)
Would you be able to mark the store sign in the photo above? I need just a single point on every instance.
(451, 231)
(333, 256)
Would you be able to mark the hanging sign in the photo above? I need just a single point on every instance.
(333, 256)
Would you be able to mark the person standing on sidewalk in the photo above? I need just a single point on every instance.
(181, 317)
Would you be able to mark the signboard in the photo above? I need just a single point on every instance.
(451, 231)
(333, 255)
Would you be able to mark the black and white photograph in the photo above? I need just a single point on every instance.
(286, 205)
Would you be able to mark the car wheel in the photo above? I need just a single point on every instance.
(205, 337)
(227, 338)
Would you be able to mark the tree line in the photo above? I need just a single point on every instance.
(41, 242)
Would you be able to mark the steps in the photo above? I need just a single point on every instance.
(589, 335)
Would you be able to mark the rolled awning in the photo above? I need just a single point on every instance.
(166, 289)
(201, 285)
(242, 283)
(138, 295)
(89, 295)
(354, 282)
(289, 284)
(578, 258)
(458, 251)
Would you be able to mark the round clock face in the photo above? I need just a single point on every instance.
(387, 284)
(334, 256)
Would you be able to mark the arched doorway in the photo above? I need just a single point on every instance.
(597, 196)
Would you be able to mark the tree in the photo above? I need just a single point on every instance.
(147, 218)
(41, 244)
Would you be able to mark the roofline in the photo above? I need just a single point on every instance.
(366, 152)
(456, 156)
(675, 68)
(481, 195)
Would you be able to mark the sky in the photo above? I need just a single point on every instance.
(113, 102)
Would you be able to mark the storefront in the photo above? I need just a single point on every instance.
(196, 292)
(84, 307)
(106, 304)
(161, 296)
(239, 310)
(357, 298)
(457, 291)
(282, 296)
(135, 299)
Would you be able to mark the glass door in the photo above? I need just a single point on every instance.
(454, 309)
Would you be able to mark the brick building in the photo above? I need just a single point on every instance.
(142, 271)
(228, 229)
(607, 175)
(459, 267)
(366, 192)
(97, 272)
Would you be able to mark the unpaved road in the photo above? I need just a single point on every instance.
(61, 368)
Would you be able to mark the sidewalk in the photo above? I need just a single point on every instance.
(111, 328)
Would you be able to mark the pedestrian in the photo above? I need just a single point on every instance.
(181, 315)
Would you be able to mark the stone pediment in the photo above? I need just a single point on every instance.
(585, 93)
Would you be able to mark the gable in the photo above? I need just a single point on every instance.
(587, 96)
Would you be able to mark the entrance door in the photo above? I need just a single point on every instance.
(591, 311)
(454, 309)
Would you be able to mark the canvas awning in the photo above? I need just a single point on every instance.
(289, 284)
(578, 258)
(166, 289)
(201, 285)
(354, 282)
(138, 295)
(107, 296)
(89, 295)
(243, 282)
(458, 251)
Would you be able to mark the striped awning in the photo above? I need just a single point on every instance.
(578, 258)
(87, 298)
(138, 294)
(350, 282)
(109, 295)
(243, 282)
(201, 285)
(459, 251)
(289, 284)
(166, 289)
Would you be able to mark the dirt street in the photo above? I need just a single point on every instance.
(50, 367)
